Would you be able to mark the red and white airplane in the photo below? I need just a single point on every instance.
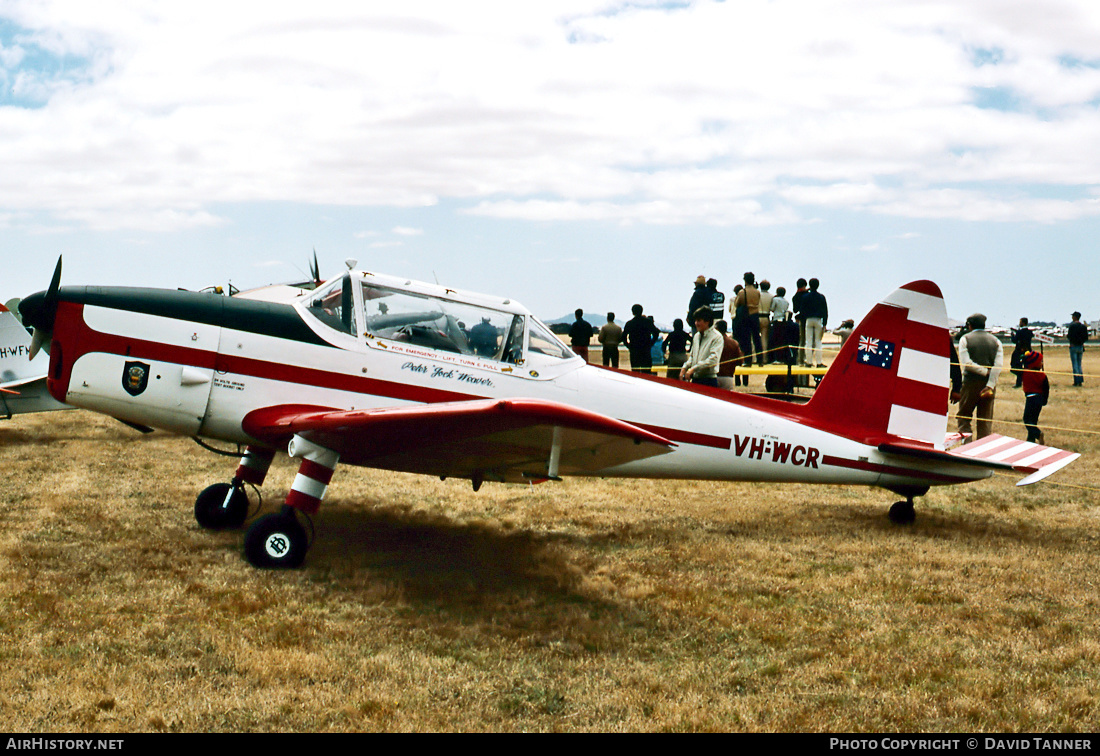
(22, 381)
(402, 375)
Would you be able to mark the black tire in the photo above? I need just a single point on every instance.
(902, 513)
(214, 512)
(276, 541)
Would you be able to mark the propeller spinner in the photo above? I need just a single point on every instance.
(39, 310)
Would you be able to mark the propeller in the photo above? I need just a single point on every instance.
(39, 310)
(315, 269)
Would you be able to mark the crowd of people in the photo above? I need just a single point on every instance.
(765, 327)
(762, 327)
(977, 363)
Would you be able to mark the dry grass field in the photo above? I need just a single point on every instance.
(589, 605)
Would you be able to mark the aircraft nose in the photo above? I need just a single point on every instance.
(34, 311)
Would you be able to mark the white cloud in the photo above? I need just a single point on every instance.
(736, 113)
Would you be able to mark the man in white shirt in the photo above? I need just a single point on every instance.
(706, 351)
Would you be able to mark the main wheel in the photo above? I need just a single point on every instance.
(902, 513)
(221, 506)
(276, 541)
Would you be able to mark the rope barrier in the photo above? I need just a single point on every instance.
(1049, 482)
(1022, 424)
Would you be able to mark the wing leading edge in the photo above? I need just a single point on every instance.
(507, 440)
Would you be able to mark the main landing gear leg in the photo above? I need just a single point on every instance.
(279, 540)
(224, 506)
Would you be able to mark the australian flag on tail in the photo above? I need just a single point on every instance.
(874, 352)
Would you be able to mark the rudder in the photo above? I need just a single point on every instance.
(891, 377)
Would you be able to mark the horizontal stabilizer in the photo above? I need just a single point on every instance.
(1036, 460)
(909, 448)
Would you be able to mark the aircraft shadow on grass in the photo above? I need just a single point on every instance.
(433, 553)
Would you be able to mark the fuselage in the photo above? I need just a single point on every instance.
(198, 364)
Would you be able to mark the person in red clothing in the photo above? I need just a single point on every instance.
(731, 358)
(1036, 392)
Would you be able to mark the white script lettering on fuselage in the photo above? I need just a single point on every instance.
(453, 374)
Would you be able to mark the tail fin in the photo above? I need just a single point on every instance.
(16, 367)
(891, 377)
(22, 380)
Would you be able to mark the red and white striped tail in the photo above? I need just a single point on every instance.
(891, 377)
(1024, 456)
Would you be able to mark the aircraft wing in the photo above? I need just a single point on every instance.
(993, 451)
(508, 440)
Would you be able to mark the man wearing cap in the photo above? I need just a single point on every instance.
(980, 358)
(699, 298)
(1078, 334)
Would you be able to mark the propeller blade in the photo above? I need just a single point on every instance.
(55, 282)
(40, 309)
(38, 338)
(315, 269)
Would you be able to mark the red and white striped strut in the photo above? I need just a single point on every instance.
(254, 465)
(314, 474)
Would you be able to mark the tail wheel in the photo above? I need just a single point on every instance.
(221, 506)
(276, 541)
(902, 512)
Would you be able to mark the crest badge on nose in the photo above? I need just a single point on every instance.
(135, 377)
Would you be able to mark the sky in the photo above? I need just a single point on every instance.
(563, 153)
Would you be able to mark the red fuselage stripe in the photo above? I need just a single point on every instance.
(856, 464)
(688, 437)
